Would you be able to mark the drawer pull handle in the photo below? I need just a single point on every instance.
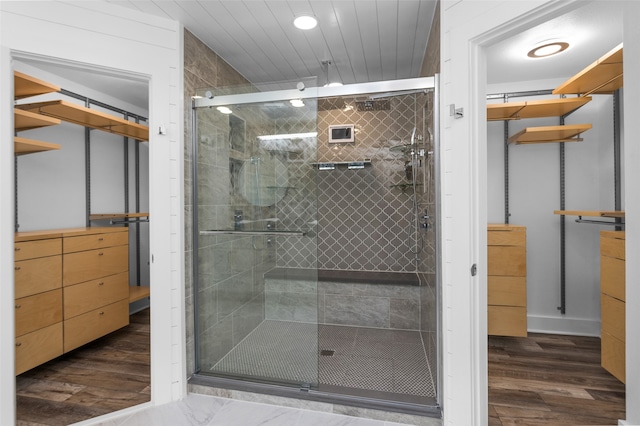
(101, 283)
(18, 306)
(101, 312)
(17, 249)
(17, 268)
(18, 344)
(100, 239)
(100, 254)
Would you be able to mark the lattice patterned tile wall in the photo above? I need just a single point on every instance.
(365, 220)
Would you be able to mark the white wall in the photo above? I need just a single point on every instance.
(534, 193)
(632, 204)
(100, 35)
(467, 26)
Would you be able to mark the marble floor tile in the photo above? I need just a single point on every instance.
(203, 410)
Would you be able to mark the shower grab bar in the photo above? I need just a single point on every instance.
(256, 233)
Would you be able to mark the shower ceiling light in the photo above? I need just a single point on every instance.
(224, 110)
(297, 103)
(548, 49)
(305, 22)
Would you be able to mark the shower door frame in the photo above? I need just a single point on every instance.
(412, 84)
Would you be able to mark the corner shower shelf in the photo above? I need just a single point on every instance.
(534, 109)
(331, 165)
(604, 76)
(548, 134)
(22, 146)
(87, 117)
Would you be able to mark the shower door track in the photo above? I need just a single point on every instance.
(429, 409)
(425, 83)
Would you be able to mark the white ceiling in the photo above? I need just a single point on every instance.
(367, 40)
(591, 30)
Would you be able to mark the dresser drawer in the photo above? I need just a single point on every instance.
(38, 311)
(507, 236)
(95, 241)
(613, 316)
(613, 356)
(38, 347)
(507, 291)
(39, 248)
(507, 321)
(507, 260)
(612, 277)
(612, 247)
(90, 295)
(37, 275)
(94, 264)
(94, 324)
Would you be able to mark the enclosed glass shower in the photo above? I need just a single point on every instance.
(314, 238)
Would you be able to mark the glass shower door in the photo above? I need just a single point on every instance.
(255, 239)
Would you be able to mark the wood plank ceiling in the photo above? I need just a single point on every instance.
(366, 40)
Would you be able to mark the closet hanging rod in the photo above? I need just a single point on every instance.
(102, 104)
(599, 222)
(127, 221)
(519, 94)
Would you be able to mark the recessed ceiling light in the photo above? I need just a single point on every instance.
(305, 22)
(548, 49)
(224, 110)
(297, 103)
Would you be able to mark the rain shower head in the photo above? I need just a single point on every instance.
(373, 105)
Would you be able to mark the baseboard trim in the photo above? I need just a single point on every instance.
(563, 325)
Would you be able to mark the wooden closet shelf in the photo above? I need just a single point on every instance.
(548, 134)
(138, 293)
(534, 109)
(87, 117)
(106, 216)
(22, 146)
(603, 76)
(26, 86)
(590, 213)
(27, 120)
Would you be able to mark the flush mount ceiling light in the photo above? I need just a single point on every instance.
(297, 103)
(224, 110)
(548, 49)
(305, 22)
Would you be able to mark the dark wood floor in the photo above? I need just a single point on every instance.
(551, 380)
(106, 375)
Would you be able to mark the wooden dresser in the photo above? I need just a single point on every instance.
(71, 287)
(612, 302)
(507, 280)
